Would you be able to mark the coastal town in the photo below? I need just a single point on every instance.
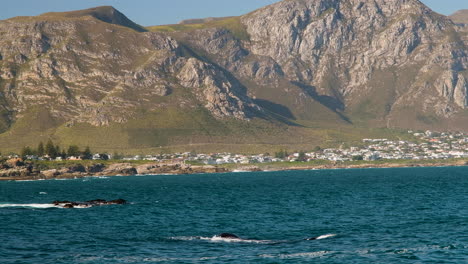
(426, 145)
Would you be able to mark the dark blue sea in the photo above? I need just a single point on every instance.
(416, 215)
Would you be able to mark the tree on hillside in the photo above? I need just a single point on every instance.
(302, 156)
(40, 149)
(50, 149)
(281, 154)
(87, 154)
(73, 150)
(117, 156)
(26, 151)
(358, 157)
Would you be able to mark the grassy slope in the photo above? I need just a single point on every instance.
(460, 16)
(104, 13)
(175, 130)
(233, 24)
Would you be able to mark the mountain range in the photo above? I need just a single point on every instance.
(295, 74)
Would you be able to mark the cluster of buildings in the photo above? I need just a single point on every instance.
(208, 159)
(425, 146)
(60, 158)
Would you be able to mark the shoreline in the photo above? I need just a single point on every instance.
(76, 171)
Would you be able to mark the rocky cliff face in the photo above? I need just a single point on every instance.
(81, 69)
(356, 43)
(391, 63)
(223, 97)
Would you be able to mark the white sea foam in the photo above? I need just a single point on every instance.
(98, 177)
(222, 239)
(139, 259)
(39, 206)
(239, 240)
(325, 236)
(81, 206)
(190, 238)
(298, 255)
(42, 206)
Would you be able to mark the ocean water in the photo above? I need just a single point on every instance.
(417, 215)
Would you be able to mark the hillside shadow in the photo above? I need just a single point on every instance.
(271, 110)
(329, 102)
(275, 108)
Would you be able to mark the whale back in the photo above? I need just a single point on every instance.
(228, 235)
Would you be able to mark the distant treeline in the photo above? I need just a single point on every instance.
(54, 151)
(282, 154)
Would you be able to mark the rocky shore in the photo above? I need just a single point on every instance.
(371, 165)
(275, 167)
(17, 169)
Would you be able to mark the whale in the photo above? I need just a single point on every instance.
(234, 237)
(87, 204)
(228, 236)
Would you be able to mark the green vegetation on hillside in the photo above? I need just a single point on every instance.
(107, 14)
(173, 130)
(233, 24)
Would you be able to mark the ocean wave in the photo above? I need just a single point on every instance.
(325, 236)
(221, 239)
(240, 240)
(30, 180)
(217, 238)
(156, 174)
(97, 177)
(138, 259)
(315, 254)
(189, 238)
(41, 206)
(38, 206)
(407, 251)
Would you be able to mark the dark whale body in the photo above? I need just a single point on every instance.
(91, 203)
(228, 235)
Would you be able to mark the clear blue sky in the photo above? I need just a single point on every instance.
(158, 12)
